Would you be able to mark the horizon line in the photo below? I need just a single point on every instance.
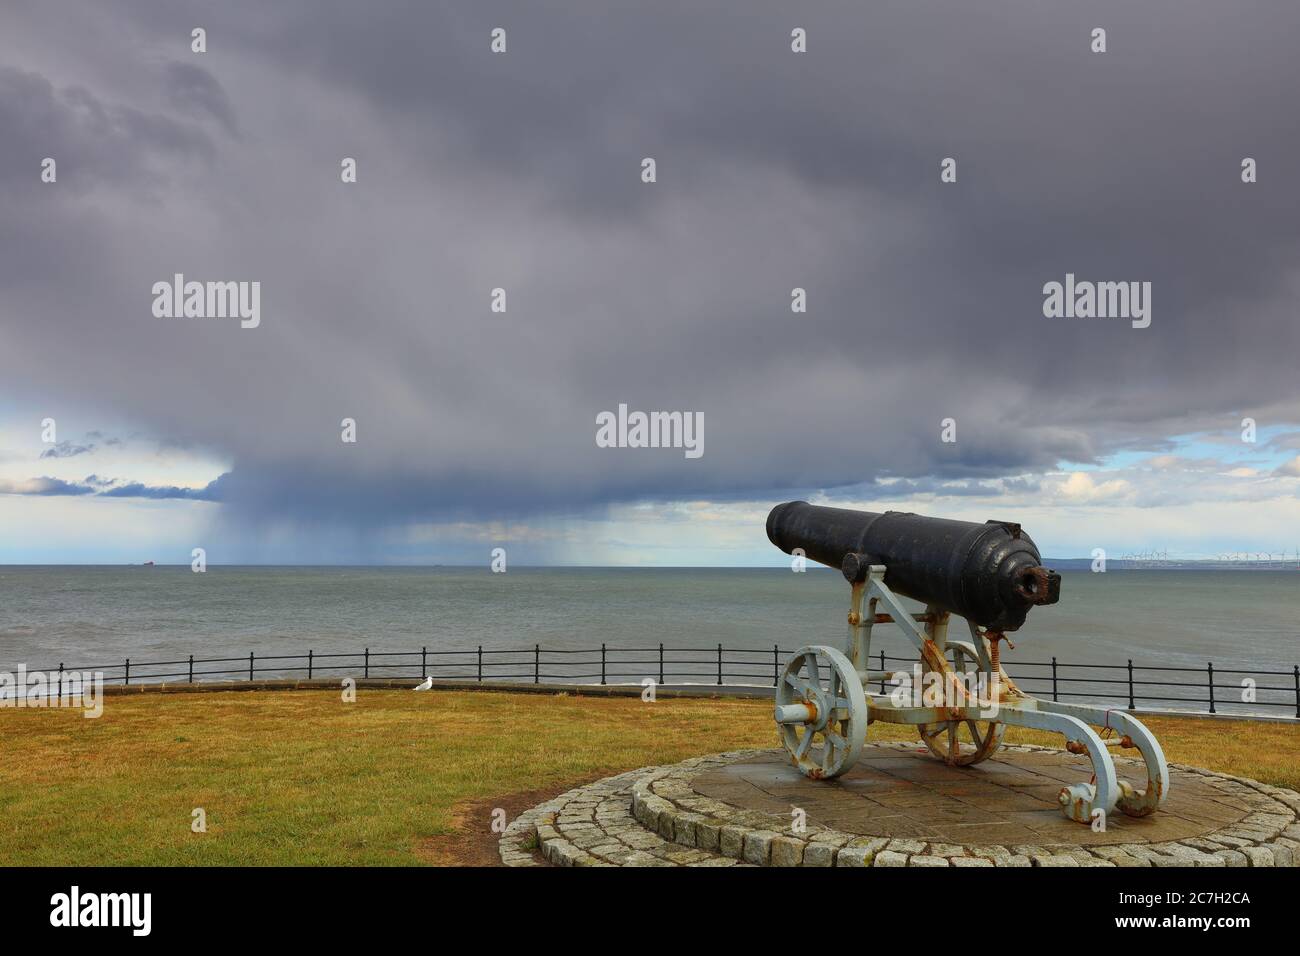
(1165, 563)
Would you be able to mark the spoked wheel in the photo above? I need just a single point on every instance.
(821, 712)
(961, 743)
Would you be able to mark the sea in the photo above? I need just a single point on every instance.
(551, 623)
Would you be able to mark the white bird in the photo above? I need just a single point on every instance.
(426, 685)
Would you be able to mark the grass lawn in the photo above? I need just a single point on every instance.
(397, 778)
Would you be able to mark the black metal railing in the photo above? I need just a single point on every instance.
(1208, 689)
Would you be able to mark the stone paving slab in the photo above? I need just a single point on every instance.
(1011, 798)
(899, 807)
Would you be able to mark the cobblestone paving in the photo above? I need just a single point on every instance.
(655, 816)
(594, 826)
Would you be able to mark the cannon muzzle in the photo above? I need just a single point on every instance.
(991, 573)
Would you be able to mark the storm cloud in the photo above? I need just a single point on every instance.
(521, 171)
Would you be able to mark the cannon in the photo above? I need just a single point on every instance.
(958, 695)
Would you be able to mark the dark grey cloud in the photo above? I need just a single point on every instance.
(93, 142)
(44, 487)
(191, 88)
(960, 488)
(67, 449)
(775, 170)
(110, 488)
(70, 449)
(135, 489)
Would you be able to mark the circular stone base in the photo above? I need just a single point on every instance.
(1010, 798)
(899, 806)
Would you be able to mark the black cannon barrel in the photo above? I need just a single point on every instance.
(990, 574)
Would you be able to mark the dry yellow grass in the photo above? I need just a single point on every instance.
(303, 778)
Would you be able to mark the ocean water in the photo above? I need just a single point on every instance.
(98, 616)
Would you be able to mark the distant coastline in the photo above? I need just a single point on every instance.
(1170, 564)
(1059, 564)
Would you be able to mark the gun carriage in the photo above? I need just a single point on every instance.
(989, 574)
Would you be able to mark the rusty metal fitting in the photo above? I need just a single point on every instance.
(995, 648)
(1037, 585)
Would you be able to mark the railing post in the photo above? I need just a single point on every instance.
(882, 669)
(537, 663)
(776, 665)
(602, 662)
(424, 661)
(1297, 691)
(480, 663)
(661, 667)
(191, 668)
(1209, 669)
(719, 665)
(250, 665)
(60, 682)
(366, 672)
(310, 654)
(1131, 705)
(1053, 677)
(127, 671)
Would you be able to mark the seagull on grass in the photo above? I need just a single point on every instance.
(426, 684)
